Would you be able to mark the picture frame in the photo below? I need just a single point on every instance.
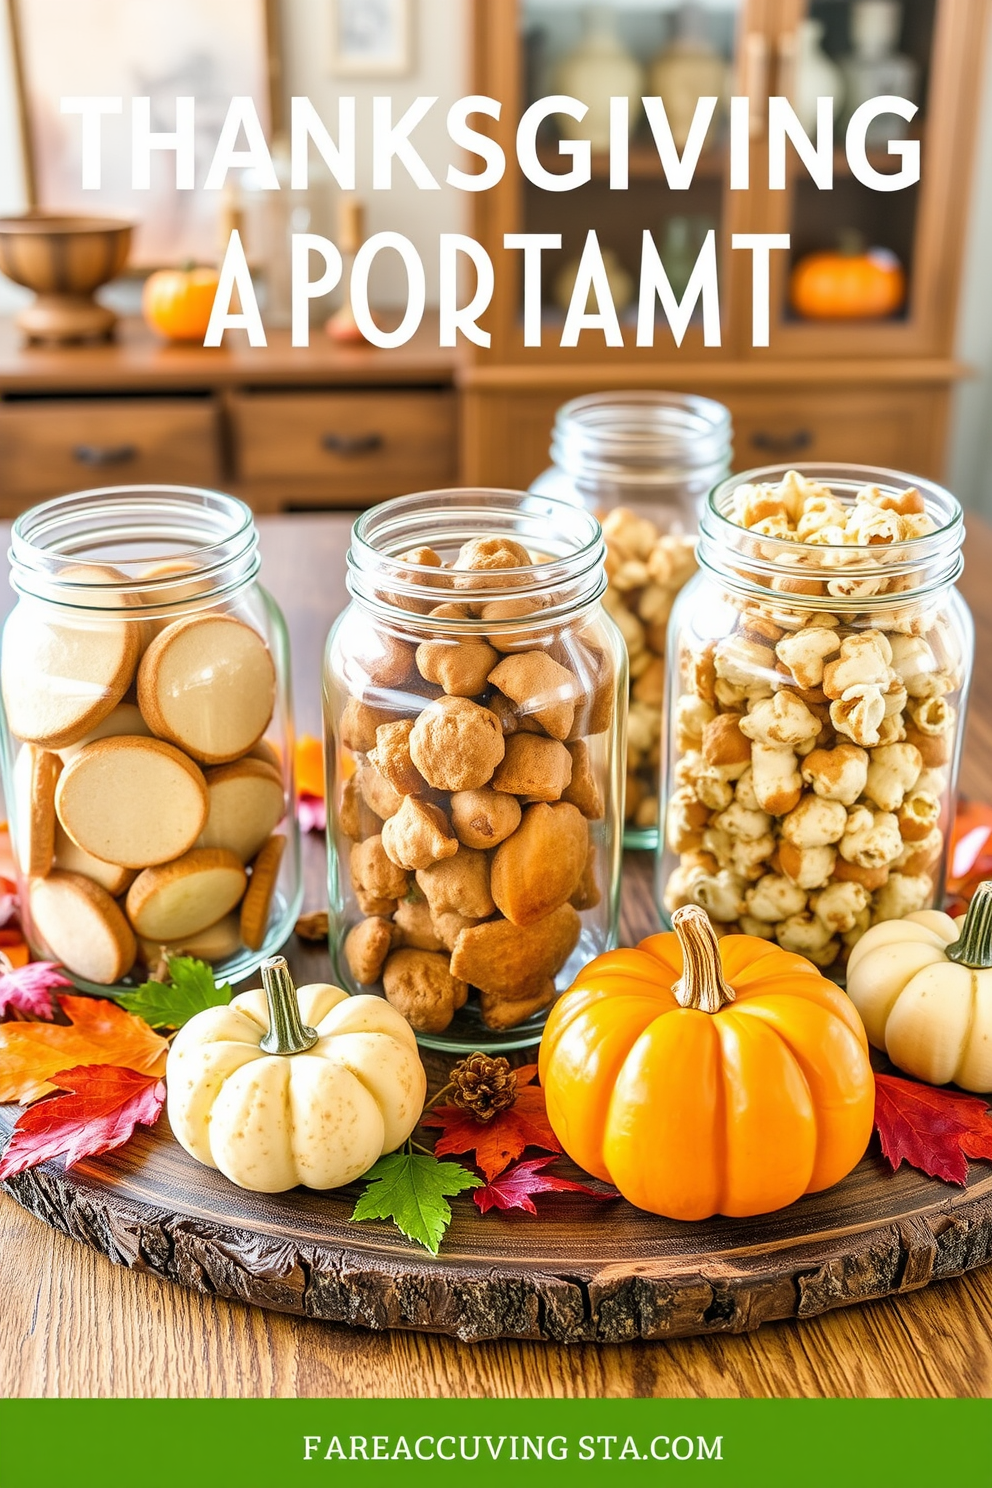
(212, 50)
(371, 38)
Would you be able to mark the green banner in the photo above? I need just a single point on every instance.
(495, 1443)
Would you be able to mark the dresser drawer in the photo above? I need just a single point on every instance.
(896, 427)
(339, 449)
(58, 445)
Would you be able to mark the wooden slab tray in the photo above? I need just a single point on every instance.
(581, 1271)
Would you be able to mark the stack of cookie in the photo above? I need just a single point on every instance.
(145, 794)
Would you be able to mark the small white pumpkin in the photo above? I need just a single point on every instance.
(272, 1102)
(923, 987)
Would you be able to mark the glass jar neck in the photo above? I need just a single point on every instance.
(643, 439)
(874, 579)
(564, 541)
(148, 548)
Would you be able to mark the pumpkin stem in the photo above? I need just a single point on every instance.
(701, 984)
(973, 947)
(287, 1034)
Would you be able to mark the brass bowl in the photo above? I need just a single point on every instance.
(64, 260)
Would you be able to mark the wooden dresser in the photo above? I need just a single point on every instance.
(285, 428)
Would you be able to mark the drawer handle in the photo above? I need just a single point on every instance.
(104, 454)
(352, 444)
(782, 444)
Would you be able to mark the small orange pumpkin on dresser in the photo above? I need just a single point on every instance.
(708, 1077)
(177, 302)
(849, 284)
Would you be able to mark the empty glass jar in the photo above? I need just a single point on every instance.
(642, 462)
(147, 735)
(818, 676)
(475, 702)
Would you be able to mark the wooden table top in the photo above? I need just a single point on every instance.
(72, 1324)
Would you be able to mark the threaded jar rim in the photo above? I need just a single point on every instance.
(573, 575)
(642, 437)
(932, 561)
(92, 550)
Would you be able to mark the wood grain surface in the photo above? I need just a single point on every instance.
(73, 1324)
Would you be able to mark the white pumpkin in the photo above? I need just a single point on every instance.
(272, 1102)
(923, 987)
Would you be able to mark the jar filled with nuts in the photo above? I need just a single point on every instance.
(642, 462)
(147, 736)
(475, 706)
(819, 669)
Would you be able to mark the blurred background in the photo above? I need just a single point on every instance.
(881, 334)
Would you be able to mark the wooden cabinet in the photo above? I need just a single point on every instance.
(900, 423)
(298, 448)
(63, 444)
(868, 391)
(283, 427)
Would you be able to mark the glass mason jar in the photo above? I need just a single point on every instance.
(475, 705)
(147, 736)
(818, 675)
(642, 462)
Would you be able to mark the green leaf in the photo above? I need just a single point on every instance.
(190, 989)
(410, 1190)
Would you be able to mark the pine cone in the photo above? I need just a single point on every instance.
(483, 1086)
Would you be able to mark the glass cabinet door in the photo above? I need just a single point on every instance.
(632, 48)
(867, 270)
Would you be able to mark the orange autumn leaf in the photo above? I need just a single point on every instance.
(310, 767)
(503, 1137)
(100, 1033)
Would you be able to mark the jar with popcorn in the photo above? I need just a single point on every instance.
(475, 704)
(642, 462)
(147, 736)
(818, 675)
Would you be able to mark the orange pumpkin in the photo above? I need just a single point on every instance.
(177, 302)
(848, 286)
(708, 1077)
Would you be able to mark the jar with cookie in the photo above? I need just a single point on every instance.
(147, 735)
(475, 709)
(642, 462)
(818, 679)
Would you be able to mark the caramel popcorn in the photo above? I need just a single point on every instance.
(646, 569)
(813, 742)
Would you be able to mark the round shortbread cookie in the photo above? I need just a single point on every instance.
(246, 805)
(81, 926)
(73, 859)
(132, 801)
(61, 679)
(36, 774)
(179, 569)
(215, 943)
(182, 898)
(266, 752)
(208, 684)
(124, 719)
(258, 899)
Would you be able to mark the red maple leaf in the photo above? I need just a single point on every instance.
(515, 1188)
(104, 1105)
(933, 1130)
(498, 1141)
(29, 989)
